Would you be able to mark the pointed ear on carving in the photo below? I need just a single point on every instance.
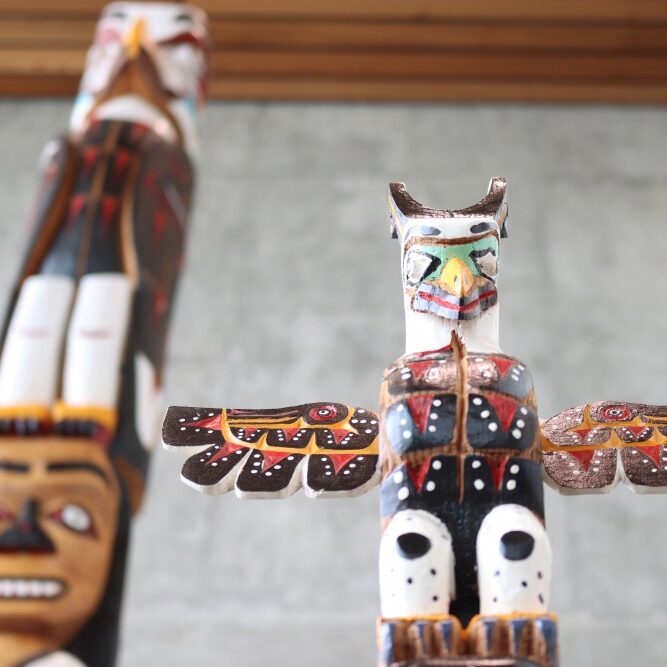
(395, 216)
(407, 213)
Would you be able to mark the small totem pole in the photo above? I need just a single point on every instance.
(465, 562)
(82, 349)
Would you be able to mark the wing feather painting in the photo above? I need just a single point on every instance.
(593, 447)
(329, 449)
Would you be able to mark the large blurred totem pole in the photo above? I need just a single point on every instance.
(457, 448)
(83, 344)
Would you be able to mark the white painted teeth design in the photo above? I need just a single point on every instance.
(15, 588)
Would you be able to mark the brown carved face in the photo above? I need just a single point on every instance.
(59, 503)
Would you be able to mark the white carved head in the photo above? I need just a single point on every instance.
(416, 566)
(513, 562)
(449, 258)
(148, 63)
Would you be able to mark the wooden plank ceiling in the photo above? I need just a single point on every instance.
(464, 50)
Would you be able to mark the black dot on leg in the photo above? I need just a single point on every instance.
(540, 597)
(524, 584)
(539, 575)
(495, 599)
(433, 571)
(435, 598)
(496, 573)
(409, 580)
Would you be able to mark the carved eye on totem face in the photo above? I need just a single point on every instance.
(326, 413)
(486, 262)
(75, 518)
(59, 503)
(614, 412)
(417, 266)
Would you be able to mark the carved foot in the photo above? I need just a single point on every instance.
(468, 662)
(402, 641)
(524, 637)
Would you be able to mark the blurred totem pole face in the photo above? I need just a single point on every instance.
(149, 61)
(59, 502)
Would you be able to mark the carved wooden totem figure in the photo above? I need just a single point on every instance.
(465, 562)
(82, 348)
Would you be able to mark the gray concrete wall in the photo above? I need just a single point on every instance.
(292, 293)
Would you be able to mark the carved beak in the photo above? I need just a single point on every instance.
(456, 278)
(134, 39)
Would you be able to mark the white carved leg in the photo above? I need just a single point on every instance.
(513, 562)
(32, 354)
(95, 345)
(147, 402)
(416, 566)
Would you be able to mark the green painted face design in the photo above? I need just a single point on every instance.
(426, 261)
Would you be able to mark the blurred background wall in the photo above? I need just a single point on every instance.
(292, 289)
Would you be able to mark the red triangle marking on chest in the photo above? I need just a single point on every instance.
(418, 368)
(418, 473)
(420, 409)
(339, 434)
(90, 154)
(636, 430)
(505, 409)
(584, 456)
(109, 206)
(210, 423)
(121, 160)
(497, 467)
(503, 364)
(654, 453)
(272, 458)
(341, 460)
(227, 449)
(76, 205)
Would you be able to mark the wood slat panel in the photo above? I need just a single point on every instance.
(381, 65)
(317, 34)
(487, 66)
(261, 88)
(412, 49)
(482, 10)
(438, 91)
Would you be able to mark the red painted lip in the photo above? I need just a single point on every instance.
(447, 304)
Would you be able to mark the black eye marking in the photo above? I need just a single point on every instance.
(486, 262)
(415, 273)
(480, 227)
(183, 18)
(117, 14)
(426, 231)
(476, 254)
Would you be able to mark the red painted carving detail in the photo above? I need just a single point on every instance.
(420, 409)
(505, 409)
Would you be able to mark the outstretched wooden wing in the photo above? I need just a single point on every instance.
(328, 448)
(591, 448)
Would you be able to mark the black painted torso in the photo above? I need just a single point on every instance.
(459, 436)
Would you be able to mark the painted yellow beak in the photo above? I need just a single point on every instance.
(456, 278)
(134, 39)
